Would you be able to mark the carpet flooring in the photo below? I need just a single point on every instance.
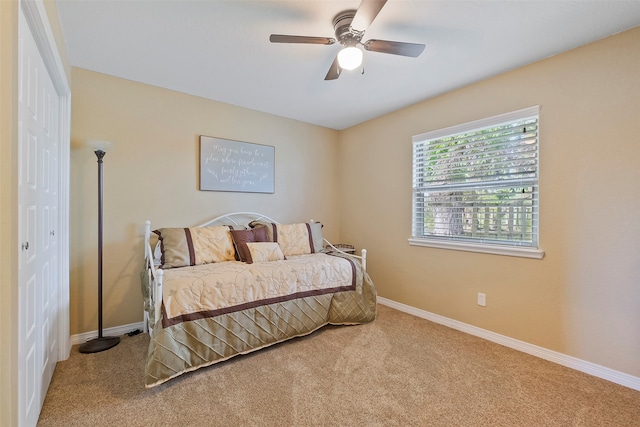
(399, 370)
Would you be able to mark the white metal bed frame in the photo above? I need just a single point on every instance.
(235, 219)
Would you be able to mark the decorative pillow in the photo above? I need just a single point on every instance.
(294, 239)
(264, 252)
(316, 234)
(242, 237)
(182, 247)
(267, 225)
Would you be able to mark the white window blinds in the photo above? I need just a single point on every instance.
(478, 182)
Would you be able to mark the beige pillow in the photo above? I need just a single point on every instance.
(194, 246)
(264, 252)
(293, 238)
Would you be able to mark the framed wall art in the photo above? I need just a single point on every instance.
(227, 165)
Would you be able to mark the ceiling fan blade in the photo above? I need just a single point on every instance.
(366, 13)
(334, 70)
(280, 38)
(396, 48)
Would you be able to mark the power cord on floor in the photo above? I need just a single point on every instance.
(134, 332)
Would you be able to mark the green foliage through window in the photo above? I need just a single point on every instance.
(479, 184)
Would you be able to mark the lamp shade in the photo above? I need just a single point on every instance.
(98, 144)
(350, 58)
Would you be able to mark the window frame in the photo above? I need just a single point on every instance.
(454, 243)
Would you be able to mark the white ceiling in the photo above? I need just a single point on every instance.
(221, 50)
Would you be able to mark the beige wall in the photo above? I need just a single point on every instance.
(583, 298)
(8, 213)
(152, 173)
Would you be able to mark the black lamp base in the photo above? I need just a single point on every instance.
(99, 344)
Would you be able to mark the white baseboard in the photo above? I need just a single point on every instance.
(534, 350)
(115, 331)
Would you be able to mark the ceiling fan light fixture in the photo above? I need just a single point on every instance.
(349, 28)
(350, 58)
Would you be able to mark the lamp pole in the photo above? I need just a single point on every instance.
(101, 343)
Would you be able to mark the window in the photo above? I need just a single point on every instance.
(475, 186)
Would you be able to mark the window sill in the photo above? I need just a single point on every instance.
(474, 247)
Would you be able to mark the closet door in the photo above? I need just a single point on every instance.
(38, 198)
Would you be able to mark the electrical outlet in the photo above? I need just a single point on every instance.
(482, 299)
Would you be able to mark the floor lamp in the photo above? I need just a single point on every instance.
(100, 343)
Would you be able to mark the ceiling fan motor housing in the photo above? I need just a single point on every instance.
(346, 35)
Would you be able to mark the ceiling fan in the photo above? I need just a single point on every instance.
(349, 27)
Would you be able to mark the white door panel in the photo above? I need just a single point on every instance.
(38, 279)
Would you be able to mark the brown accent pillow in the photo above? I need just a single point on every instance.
(242, 237)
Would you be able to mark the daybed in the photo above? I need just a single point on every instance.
(242, 282)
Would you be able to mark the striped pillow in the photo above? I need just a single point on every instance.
(294, 239)
(183, 247)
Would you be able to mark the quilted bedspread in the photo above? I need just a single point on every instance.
(213, 312)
